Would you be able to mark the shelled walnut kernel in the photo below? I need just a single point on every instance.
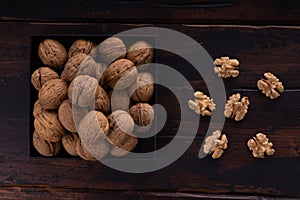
(236, 108)
(226, 67)
(202, 105)
(215, 144)
(259, 145)
(271, 86)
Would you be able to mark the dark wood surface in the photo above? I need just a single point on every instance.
(233, 31)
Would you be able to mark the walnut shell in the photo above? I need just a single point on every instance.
(41, 76)
(143, 87)
(65, 116)
(48, 126)
(69, 142)
(73, 64)
(52, 53)
(143, 115)
(120, 100)
(127, 145)
(111, 49)
(52, 93)
(83, 152)
(102, 100)
(82, 90)
(121, 74)
(93, 69)
(81, 46)
(120, 119)
(140, 53)
(44, 147)
(37, 108)
(92, 152)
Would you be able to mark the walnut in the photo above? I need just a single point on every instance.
(143, 87)
(215, 145)
(271, 86)
(92, 152)
(65, 116)
(102, 100)
(83, 152)
(52, 93)
(81, 46)
(226, 67)
(82, 90)
(143, 115)
(41, 76)
(128, 144)
(52, 53)
(260, 145)
(235, 108)
(69, 142)
(93, 69)
(119, 100)
(121, 74)
(202, 105)
(120, 119)
(37, 108)
(73, 65)
(111, 49)
(140, 53)
(44, 147)
(48, 126)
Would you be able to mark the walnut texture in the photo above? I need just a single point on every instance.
(271, 86)
(143, 87)
(81, 46)
(119, 100)
(215, 144)
(226, 67)
(236, 107)
(102, 100)
(202, 104)
(37, 108)
(52, 53)
(121, 74)
(74, 63)
(83, 152)
(140, 53)
(45, 147)
(41, 76)
(143, 115)
(259, 145)
(111, 49)
(65, 116)
(69, 142)
(52, 93)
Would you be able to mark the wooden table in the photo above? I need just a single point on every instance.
(263, 35)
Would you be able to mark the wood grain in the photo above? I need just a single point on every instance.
(236, 174)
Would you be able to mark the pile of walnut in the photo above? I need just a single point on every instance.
(85, 92)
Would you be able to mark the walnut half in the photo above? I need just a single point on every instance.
(236, 108)
(215, 145)
(271, 86)
(202, 105)
(259, 145)
(226, 67)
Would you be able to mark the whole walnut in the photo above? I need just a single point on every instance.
(93, 69)
(92, 152)
(102, 100)
(44, 147)
(143, 87)
(82, 90)
(111, 49)
(120, 119)
(119, 100)
(127, 145)
(120, 74)
(65, 116)
(41, 76)
(69, 142)
(143, 115)
(140, 53)
(52, 53)
(83, 152)
(52, 93)
(81, 46)
(48, 126)
(37, 108)
(73, 65)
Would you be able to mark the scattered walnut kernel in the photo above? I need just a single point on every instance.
(235, 108)
(259, 145)
(226, 67)
(271, 86)
(215, 145)
(202, 105)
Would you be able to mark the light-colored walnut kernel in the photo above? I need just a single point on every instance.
(259, 145)
(69, 142)
(271, 86)
(236, 108)
(143, 88)
(52, 93)
(52, 53)
(81, 46)
(226, 67)
(41, 76)
(44, 147)
(215, 144)
(140, 53)
(202, 105)
(111, 49)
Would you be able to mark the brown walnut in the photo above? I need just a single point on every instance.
(102, 100)
(236, 107)
(259, 145)
(271, 86)
(81, 46)
(80, 60)
(143, 87)
(65, 116)
(119, 100)
(143, 115)
(69, 142)
(140, 53)
(44, 147)
(111, 49)
(37, 108)
(226, 67)
(41, 76)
